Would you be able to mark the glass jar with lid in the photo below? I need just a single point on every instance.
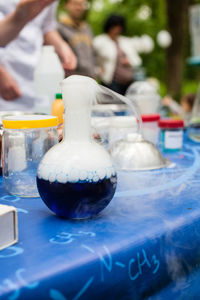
(26, 139)
(171, 134)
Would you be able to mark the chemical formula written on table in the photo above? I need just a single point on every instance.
(134, 267)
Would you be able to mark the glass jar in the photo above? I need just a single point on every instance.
(4, 114)
(171, 134)
(26, 139)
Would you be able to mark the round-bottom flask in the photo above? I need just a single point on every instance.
(76, 178)
(77, 190)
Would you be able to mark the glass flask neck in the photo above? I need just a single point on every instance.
(78, 125)
(77, 98)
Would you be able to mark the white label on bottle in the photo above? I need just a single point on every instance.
(173, 139)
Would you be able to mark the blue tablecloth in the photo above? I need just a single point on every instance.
(144, 245)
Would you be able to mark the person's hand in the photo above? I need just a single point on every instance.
(9, 89)
(68, 58)
(166, 100)
(125, 61)
(27, 10)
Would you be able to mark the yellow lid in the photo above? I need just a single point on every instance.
(29, 121)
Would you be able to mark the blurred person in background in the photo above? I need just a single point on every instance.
(75, 30)
(184, 109)
(19, 58)
(116, 55)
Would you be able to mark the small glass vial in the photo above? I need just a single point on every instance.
(171, 134)
(26, 139)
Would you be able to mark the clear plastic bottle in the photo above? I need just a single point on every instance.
(47, 77)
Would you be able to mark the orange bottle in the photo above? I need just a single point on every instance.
(58, 108)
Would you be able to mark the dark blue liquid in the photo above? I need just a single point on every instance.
(77, 200)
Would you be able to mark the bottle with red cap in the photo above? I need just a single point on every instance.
(150, 128)
(171, 134)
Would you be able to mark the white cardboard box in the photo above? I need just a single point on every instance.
(8, 226)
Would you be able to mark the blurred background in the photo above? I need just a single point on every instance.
(167, 62)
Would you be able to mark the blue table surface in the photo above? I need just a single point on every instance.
(144, 245)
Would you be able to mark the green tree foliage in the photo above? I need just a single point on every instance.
(130, 9)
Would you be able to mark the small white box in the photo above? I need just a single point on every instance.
(8, 226)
